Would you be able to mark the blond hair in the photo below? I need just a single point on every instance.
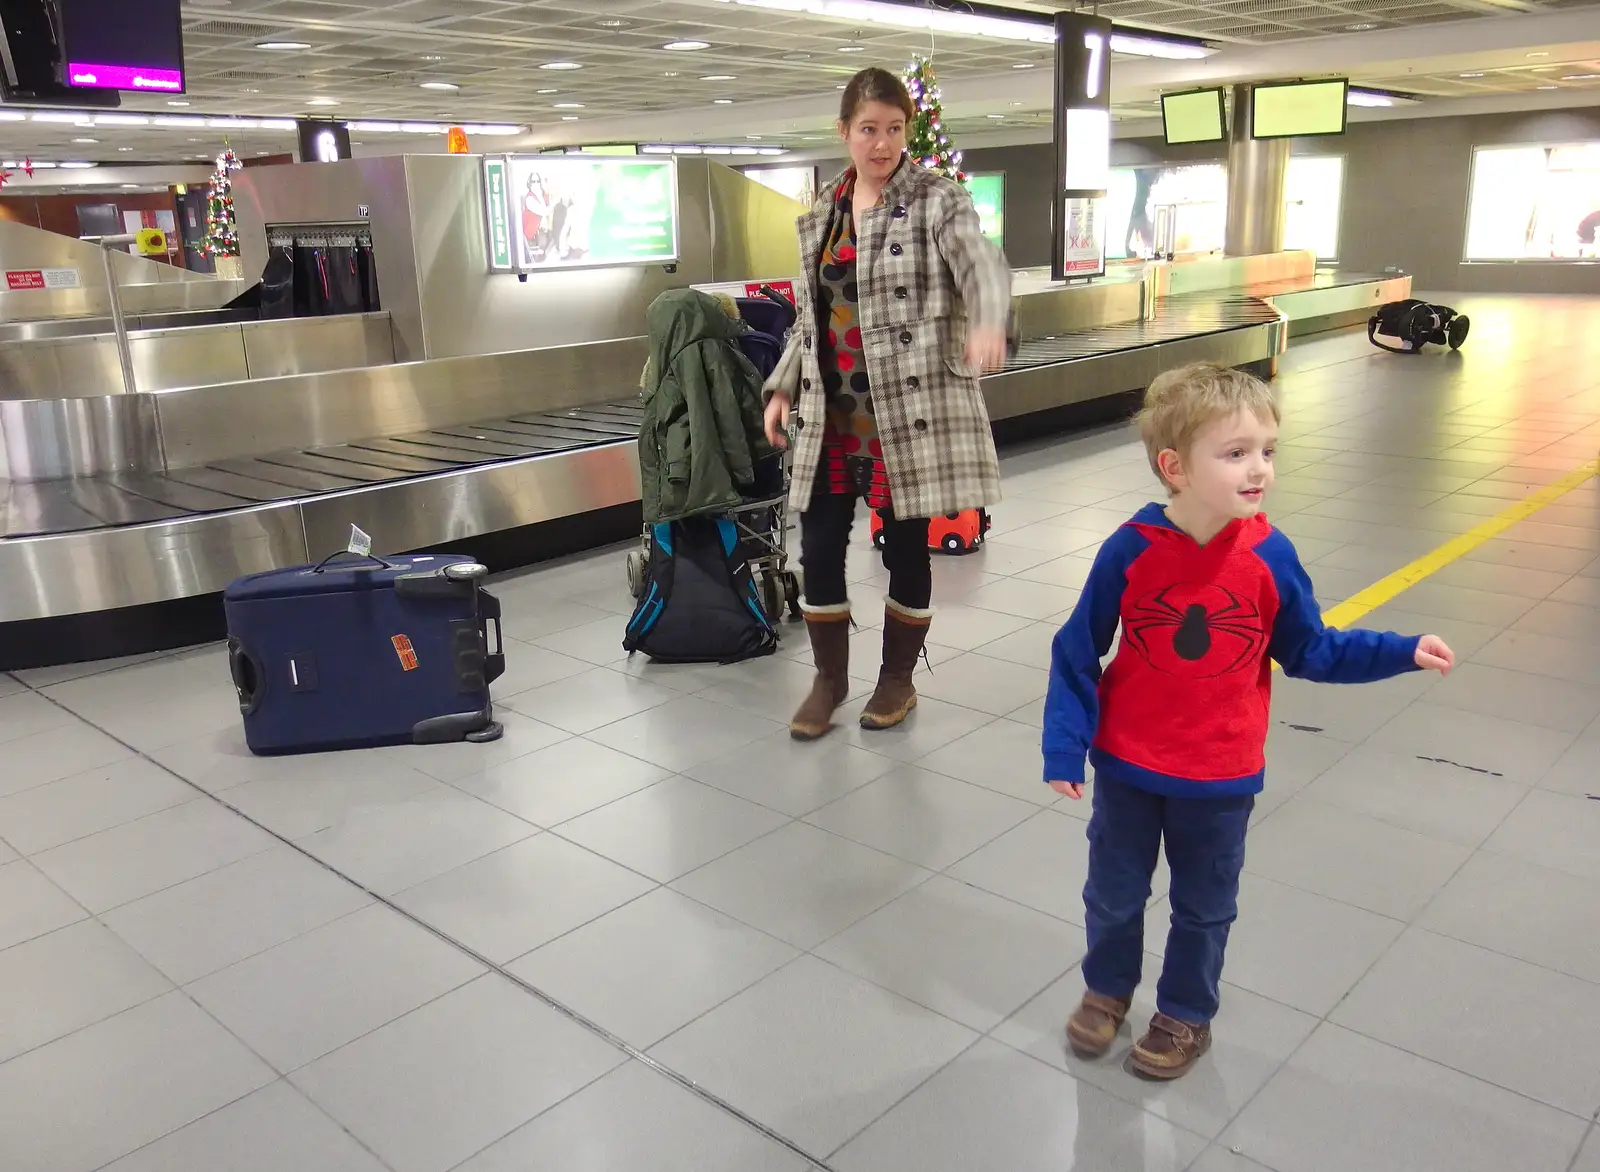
(1180, 402)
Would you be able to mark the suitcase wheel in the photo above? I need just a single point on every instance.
(791, 590)
(492, 731)
(953, 543)
(1456, 334)
(636, 573)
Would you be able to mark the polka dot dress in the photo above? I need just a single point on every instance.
(852, 457)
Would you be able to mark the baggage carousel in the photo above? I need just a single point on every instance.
(178, 493)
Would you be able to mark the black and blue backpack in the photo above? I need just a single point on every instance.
(699, 602)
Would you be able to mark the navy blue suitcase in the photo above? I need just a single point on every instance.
(346, 655)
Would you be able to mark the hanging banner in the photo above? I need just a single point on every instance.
(575, 211)
(1085, 252)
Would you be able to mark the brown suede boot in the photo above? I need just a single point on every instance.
(904, 633)
(1093, 1026)
(1169, 1048)
(829, 628)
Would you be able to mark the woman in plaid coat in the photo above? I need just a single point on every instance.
(903, 305)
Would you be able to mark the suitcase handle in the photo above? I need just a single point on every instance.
(364, 556)
(494, 664)
(247, 677)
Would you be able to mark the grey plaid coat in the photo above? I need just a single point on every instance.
(925, 273)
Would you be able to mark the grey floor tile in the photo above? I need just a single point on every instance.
(794, 777)
(443, 1083)
(220, 760)
(1030, 646)
(7, 855)
(1581, 590)
(1474, 741)
(49, 815)
(961, 951)
(1040, 864)
(772, 689)
(529, 667)
(652, 966)
(598, 642)
(276, 1129)
(1538, 700)
(1533, 913)
(995, 1108)
(1017, 596)
(1589, 1157)
(682, 734)
(801, 884)
(1071, 571)
(636, 1118)
(582, 703)
(195, 928)
(89, 1098)
(1552, 830)
(31, 905)
(1295, 947)
(931, 725)
(1560, 656)
(389, 848)
(309, 996)
(1562, 620)
(995, 686)
(814, 1052)
(1345, 1102)
(463, 760)
(1524, 583)
(1295, 757)
(25, 714)
(1432, 597)
(510, 902)
(1346, 713)
(56, 984)
(1467, 639)
(1003, 756)
(922, 817)
(1578, 771)
(1441, 801)
(324, 791)
(1454, 1003)
(1252, 1036)
(549, 786)
(137, 858)
(672, 828)
(1221, 1159)
(1514, 550)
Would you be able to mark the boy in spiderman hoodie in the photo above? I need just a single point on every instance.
(1208, 595)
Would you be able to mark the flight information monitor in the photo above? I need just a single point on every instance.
(1299, 109)
(120, 45)
(1195, 116)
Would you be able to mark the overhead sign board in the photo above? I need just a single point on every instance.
(574, 211)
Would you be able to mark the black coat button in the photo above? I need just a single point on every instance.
(900, 292)
(805, 384)
(895, 250)
(905, 337)
(799, 424)
(913, 382)
(899, 211)
(921, 425)
(808, 342)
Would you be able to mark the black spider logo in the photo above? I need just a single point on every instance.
(1194, 631)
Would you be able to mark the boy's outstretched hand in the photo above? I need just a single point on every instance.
(1433, 654)
(1071, 789)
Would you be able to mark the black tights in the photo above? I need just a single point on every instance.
(825, 535)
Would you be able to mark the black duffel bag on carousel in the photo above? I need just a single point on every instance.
(1413, 324)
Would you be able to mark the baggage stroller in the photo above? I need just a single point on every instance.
(1416, 323)
(761, 521)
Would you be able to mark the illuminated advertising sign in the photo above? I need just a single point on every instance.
(577, 211)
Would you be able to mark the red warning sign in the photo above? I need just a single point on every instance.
(407, 654)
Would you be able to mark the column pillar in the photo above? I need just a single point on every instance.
(1081, 112)
(1257, 171)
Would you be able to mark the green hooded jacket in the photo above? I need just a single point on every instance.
(703, 431)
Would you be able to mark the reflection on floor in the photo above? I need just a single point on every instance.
(861, 950)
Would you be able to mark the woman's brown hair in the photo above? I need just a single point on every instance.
(874, 85)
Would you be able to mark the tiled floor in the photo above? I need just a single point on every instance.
(518, 956)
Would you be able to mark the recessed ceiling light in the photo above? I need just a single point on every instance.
(722, 101)
(430, 57)
(719, 77)
(797, 56)
(752, 136)
(129, 186)
(1471, 75)
(840, 86)
(852, 48)
(613, 22)
(1579, 76)
(1541, 53)
(686, 46)
(86, 140)
(177, 103)
(548, 91)
(1023, 65)
(283, 45)
(1016, 103)
(560, 65)
(569, 117)
(670, 73)
(568, 106)
(438, 85)
(1360, 28)
(126, 150)
(1549, 87)
(322, 102)
(996, 115)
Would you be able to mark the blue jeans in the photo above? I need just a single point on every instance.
(1205, 851)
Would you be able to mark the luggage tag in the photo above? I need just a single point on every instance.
(360, 543)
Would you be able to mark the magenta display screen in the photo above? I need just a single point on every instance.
(132, 45)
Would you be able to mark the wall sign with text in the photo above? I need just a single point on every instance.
(575, 211)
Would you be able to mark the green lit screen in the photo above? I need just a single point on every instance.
(1312, 107)
(1195, 117)
(988, 191)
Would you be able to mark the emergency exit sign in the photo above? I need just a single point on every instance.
(17, 279)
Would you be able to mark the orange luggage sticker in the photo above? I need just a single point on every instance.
(406, 653)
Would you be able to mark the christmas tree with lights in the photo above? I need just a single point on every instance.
(926, 140)
(222, 231)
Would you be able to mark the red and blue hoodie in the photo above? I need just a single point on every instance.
(1182, 708)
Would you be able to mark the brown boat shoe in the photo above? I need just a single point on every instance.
(1093, 1026)
(1169, 1048)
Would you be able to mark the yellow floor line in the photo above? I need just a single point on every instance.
(1357, 606)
